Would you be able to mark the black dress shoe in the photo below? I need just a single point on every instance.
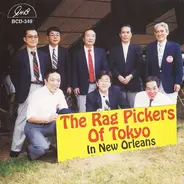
(14, 154)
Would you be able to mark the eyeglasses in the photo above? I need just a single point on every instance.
(32, 36)
(56, 35)
(104, 81)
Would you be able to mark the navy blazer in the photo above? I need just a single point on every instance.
(116, 99)
(80, 68)
(170, 73)
(63, 66)
(133, 64)
(20, 72)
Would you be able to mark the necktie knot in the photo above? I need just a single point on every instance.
(33, 53)
(89, 50)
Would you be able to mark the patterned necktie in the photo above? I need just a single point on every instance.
(54, 60)
(151, 100)
(35, 65)
(91, 68)
(160, 54)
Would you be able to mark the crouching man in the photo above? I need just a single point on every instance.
(43, 107)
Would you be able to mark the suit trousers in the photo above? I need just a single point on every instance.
(18, 133)
(36, 133)
(81, 99)
(130, 97)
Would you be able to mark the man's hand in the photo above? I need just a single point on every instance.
(69, 90)
(121, 78)
(127, 79)
(177, 87)
(77, 91)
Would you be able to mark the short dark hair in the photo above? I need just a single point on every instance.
(126, 25)
(153, 79)
(50, 71)
(102, 73)
(29, 28)
(83, 35)
(53, 28)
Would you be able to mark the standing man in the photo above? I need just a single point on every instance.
(151, 96)
(28, 67)
(59, 58)
(125, 62)
(87, 64)
(43, 107)
(164, 60)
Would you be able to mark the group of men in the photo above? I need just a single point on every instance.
(90, 75)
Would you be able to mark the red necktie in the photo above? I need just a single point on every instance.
(91, 68)
(35, 65)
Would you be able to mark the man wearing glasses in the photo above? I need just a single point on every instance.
(105, 97)
(59, 58)
(27, 69)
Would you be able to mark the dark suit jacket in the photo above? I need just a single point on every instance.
(116, 99)
(63, 66)
(132, 66)
(80, 68)
(20, 72)
(170, 73)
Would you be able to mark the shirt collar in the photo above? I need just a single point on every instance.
(162, 44)
(51, 48)
(86, 49)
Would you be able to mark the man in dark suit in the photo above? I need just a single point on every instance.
(87, 64)
(105, 97)
(59, 58)
(27, 69)
(125, 62)
(164, 60)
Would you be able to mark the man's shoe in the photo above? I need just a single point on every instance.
(14, 154)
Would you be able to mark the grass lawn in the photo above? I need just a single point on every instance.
(164, 165)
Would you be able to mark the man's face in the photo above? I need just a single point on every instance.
(151, 89)
(54, 38)
(161, 34)
(89, 38)
(125, 34)
(53, 82)
(31, 39)
(104, 83)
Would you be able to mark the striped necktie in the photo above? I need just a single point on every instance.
(54, 60)
(35, 65)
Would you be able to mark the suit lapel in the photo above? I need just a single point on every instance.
(99, 100)
(110, 97)
(83, 58)
(59, 57)
(155, 54)
(41, 63)
(26, 58)
(96, 53)
(165, 54)
(122, 55)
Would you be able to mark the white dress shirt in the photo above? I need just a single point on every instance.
(42, 103)
(51, 52)
(143, 100)
(160, 51)
(93, 57)
(104, 98)
(125, 50)
(33, 78)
